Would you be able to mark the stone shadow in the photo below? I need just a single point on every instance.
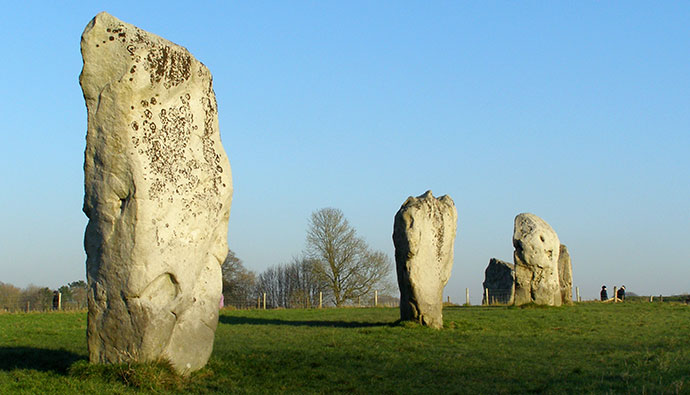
(327, 324)
(41, 359)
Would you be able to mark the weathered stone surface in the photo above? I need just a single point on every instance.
(157, 193)
(536, 261)
(499, 279)
(565, 275)
(424, 236)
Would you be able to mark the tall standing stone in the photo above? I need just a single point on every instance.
(157, 193)
(499, 280)
(424, 236)
(536, 261)
(565, 275)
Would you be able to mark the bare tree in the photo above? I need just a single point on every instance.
(9, 297)
(79, 290)
(290, 285)
(38, 298)
(305, 284)
(238, 282)
(268, 282)
(341, 259)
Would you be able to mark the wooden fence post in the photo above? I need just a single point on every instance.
(615, 296)
(320, 300)
(486, 295)
(264, 300)
(28, 306)
(258, 302)
(577, 294)
(651, 298)
(376, 298)
(467, 296)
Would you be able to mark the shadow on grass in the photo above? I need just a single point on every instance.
(328, 324)
(40, 359)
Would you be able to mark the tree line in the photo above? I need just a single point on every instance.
(35, 298)
(337, 266)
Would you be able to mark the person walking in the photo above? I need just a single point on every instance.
(604, 294)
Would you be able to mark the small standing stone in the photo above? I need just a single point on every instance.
(157, 194)
(499, 279)
(424, 237)
(565, 275)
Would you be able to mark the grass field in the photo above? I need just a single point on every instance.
(586, 348)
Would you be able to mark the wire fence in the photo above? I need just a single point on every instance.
(39, 302)
(46, 302)
(267, 301)
(494, 296)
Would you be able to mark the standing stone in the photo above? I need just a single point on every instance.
(499, 279)
(536, 261)
(157, 193)
(424, 235)
(565, 275)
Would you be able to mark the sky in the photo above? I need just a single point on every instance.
(578, 112)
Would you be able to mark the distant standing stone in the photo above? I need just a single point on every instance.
(565, 275)
(424, 235)
(157, 194)
(499, 279)
(536, 261)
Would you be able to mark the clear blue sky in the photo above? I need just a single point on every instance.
(578, 112)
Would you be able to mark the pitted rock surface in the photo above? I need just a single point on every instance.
(536, 261)
(424, 238)
(499, 279)
(158, 191)
(565, 275)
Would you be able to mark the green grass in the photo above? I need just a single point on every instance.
(586, 348)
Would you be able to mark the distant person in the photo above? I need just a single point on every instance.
(56, 300)
(604, 295)
(621, 293)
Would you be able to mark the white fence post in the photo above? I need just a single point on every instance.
(467, 296)
(376, 298)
